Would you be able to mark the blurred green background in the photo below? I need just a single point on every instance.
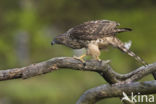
(28, 26)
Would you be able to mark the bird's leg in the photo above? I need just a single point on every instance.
(97, 58)
(80, 58)
(93, 50)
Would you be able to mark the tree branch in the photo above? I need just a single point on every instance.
(116, 90)
(51, 65)
(103, 68)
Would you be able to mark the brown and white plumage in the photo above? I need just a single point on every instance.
(94, 36)
(93, 30)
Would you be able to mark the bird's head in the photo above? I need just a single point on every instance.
(60, 39)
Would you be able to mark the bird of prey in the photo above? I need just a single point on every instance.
(95, 36)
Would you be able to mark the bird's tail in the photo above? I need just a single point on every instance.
(126, 50)
(118, 30)
(132, 54)
(122, 47)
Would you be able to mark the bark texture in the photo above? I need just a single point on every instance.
(118, 83)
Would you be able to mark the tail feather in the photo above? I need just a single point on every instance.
(121, 46)
(132, 54)
(117, 43)
(123, 29)
(137, 58)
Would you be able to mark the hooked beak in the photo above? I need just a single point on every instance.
(53, 42)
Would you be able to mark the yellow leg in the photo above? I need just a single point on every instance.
(97, 58)
(80, 58)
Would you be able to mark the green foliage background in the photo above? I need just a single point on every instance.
(44, 19)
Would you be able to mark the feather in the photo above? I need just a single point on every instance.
(93, 30)
(123, 30)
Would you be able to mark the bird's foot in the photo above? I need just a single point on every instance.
(80, 58)
(98, 59)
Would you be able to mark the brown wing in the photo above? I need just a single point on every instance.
(93, 29)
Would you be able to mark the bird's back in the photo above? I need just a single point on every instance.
(92, 30)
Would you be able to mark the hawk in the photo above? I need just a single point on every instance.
(95, 36)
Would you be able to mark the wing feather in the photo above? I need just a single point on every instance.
(93, 29)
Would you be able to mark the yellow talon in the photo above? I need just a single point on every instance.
(80, 58)
(97, 58)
